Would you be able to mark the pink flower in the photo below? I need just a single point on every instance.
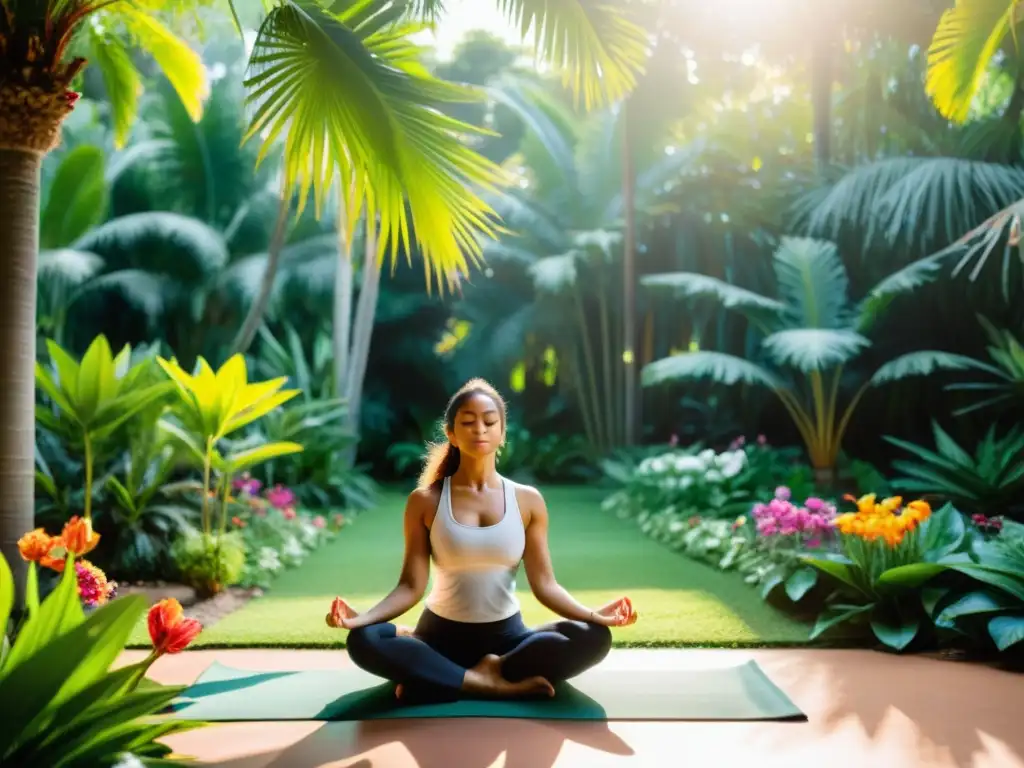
(93, 587)
(783, 493)
(281, 497)
(320, 521)
(739, 442)
(767, 527)
(814, 504)
(289, 513)
(813, 543)
(247, 484)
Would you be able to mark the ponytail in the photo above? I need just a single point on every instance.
(442, 461)
(442, 458)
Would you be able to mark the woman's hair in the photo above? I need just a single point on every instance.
(443, 457)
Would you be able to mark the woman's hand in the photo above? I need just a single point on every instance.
(341, 615)
(618, 613)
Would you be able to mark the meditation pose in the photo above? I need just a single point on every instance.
(476, 527)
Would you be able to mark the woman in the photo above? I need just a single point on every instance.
(476, 527)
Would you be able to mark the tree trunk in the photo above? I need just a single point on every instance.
(362, 330)
(629, 284)
(19, 246)
(342, 306)
(821, 98)
(258, 309)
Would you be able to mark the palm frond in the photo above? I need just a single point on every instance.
(754, 305)
(356, 98)
(121, 80)
(922, 363)
(68, 266)
(77, 198)
(717, 366)
(968, 36)
(554, 274)
(157, 241)
(598, 50)
(145, 291)
(814, 349)
(527, 220)
(812, 283)
(902, 281)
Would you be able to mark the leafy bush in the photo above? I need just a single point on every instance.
(62, 704)
(888, 552)
(209, 562)
(991, 481)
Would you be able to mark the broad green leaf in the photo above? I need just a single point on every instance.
(245, 459)
(800, 583)
(32, 589)
(125, 737)
(812, 283)
(59, 612)
(117, 411)
(910, 576)
(834, 616)
(967, 38)
(978, 602)
(844, 572)
(814, 349)
(933, 597)
(993, 577)
(95, 378)
(6, 594)
(1006, 631)
(923, 363)
(77, 198)
(896, 631)
(943, 532)
(124, 498)
(771, 581)
(67, 367)
(50, 388)
(717, 366)
(194, 447)
(258, 409)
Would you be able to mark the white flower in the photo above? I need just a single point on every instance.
(685, 481)
(689, 464)
(269, 560)
(292, 548)
(658, 465)
(706, 456)
(737, 461)
(713, 476)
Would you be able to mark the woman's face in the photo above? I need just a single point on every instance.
(478, 430)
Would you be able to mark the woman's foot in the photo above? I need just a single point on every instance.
(485, 680)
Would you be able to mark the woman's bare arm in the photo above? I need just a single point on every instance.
(412, 582)
(537, 559)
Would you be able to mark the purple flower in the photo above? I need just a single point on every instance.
(247, 484)
(783, 493)
(281, 497)
(814, 504)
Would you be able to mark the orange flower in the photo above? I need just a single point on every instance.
(36, 545)
(918, 511)
(169, 630)
(79, 536)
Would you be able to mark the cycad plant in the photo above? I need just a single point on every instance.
(813, 335)
(339, 83)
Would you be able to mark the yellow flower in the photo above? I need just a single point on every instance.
(890, 505)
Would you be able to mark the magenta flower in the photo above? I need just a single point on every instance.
(247, 484)
(783, 493)
(281, 497)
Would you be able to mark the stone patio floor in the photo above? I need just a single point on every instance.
(865, 710)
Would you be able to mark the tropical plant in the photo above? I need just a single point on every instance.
(889, 551)
(988, 605)
(91, 399)
(211, 406)
(813, 328)
(63, 705)
(989, 482)
(1006, 353)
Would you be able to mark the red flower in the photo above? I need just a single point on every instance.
(169, 630)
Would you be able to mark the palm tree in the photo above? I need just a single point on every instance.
(339, 83)
(813, 334)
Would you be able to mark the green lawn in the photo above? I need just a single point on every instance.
(596, 555)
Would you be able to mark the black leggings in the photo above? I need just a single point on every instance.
(433, 663)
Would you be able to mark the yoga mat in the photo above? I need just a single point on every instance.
(740, 692)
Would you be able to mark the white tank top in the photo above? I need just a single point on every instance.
(475, 568)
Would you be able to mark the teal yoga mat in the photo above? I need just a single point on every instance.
(741, 692)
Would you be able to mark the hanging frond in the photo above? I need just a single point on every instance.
(911, 277)
(178, 246)
(923, 363)
(730, 296)
(814, 349)
(812, 283)
(522, 218)
(716, 366)
(967, 38)
(348, 93)
(598, 50)
(142, 290)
